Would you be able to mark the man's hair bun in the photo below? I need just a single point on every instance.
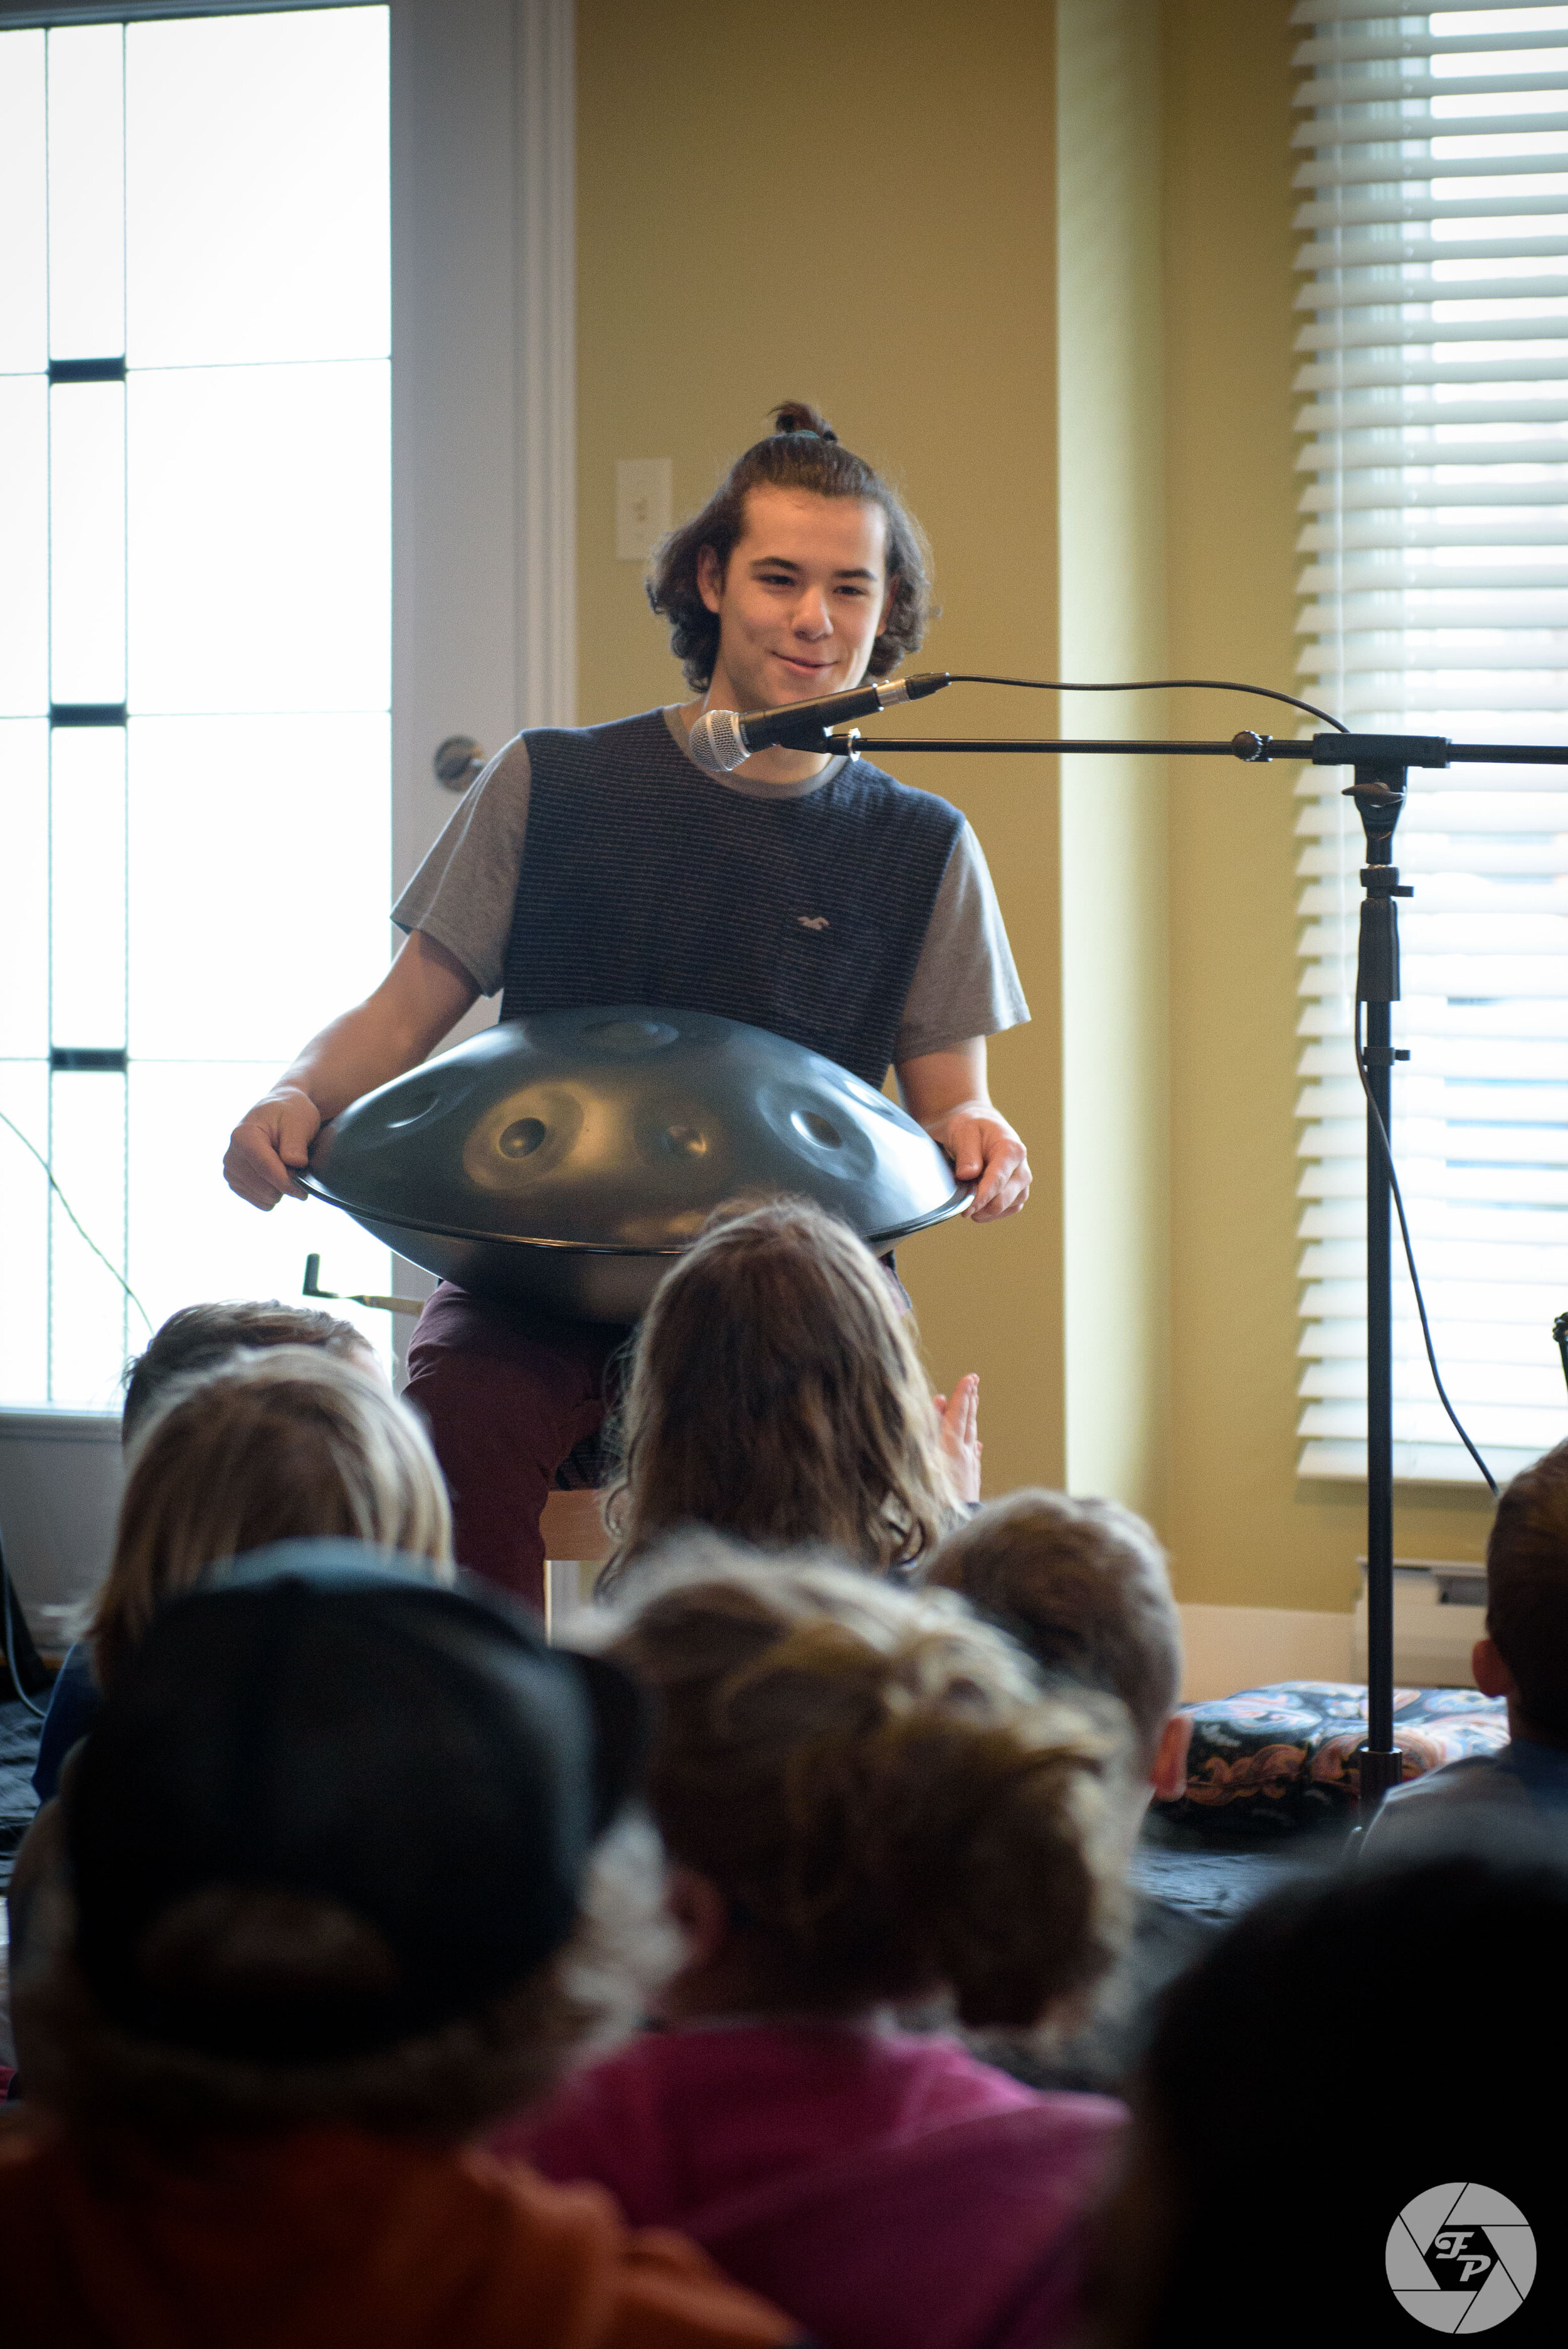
(800, 416)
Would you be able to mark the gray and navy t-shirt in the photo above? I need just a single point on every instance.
(608, 866)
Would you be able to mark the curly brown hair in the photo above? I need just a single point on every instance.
(1084, 1586)
(775, 1393)
(892, 1802)
(801, 453)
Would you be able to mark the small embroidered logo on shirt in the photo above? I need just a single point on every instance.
(812, 921)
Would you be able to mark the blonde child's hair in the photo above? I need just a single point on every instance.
(1084, 1586)
(775, 1393)
(893, 1804)
(270, 1447)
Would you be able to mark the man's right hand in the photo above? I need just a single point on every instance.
(421, 1000)
(269, 1141)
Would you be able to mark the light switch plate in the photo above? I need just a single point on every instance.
(644, 502)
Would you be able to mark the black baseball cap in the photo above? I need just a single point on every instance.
(317, 1720)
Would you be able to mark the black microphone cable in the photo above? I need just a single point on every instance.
(1387, 1148)
(1269, 693)
(1152, 685)
(7, 1599)
(107, 1263)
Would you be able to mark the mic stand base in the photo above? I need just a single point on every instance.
(1378, 1774)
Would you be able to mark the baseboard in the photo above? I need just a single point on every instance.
(1231, 1648)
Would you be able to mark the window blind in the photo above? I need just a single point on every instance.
(1433, 174)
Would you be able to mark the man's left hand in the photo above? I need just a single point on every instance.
(947, 1094)
(985, 1151)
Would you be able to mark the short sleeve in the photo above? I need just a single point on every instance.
(965, 983)
(463, 894)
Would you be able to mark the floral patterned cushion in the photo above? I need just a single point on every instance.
(1279, 1758)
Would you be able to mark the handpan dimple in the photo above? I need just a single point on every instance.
(522, 1137)
(566, 1158)
(418, 1105)
(626, 1032)
(684, 1141)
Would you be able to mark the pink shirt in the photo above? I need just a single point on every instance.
(891, 2187)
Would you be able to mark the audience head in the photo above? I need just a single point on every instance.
(199, 1337)
(281, 1903)
(1083, 1586)
(1524, 1655)
(775, 1393)
(1325, 2020)
(865, 1794)
(291, 1444)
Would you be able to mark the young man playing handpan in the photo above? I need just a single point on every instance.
(807, 894)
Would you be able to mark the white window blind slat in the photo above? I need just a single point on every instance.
(1432, 168)
(1533, 158)
(1406, 127)
(1349, 89)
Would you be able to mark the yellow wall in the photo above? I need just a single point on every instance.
(807, 205)
(882, 237)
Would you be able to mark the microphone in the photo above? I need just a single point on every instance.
(721, 739)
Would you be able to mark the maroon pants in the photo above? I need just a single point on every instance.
(508, 1394)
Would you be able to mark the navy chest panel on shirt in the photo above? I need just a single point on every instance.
(645, 882)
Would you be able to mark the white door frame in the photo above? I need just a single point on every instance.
(483, 386)
(484, 458)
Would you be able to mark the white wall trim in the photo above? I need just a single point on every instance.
(546, 362)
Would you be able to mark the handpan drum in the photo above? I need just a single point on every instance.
(564, 1161)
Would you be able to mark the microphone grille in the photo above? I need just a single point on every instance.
(716, 742)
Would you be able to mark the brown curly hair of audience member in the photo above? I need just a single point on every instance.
(892, 1802)
(801, 453)
(775, 1393)
(1527, 1589)
(278, 1446)
(1084, 1588)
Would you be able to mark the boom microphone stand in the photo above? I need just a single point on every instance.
(1381, 763)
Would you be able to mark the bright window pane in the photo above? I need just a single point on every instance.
(280, 123)
(24, 543)
(25, 1232)
(23, 310)
(260, 849)
(216, 1245)
(87, 192)
(259, 538)
(87, 1307)
(87, 498)
(223, 518)
(24, 930)
(87, 895)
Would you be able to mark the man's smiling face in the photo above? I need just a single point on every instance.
(802, 601)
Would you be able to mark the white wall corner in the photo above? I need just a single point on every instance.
(546, 362)
(1114, 877)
